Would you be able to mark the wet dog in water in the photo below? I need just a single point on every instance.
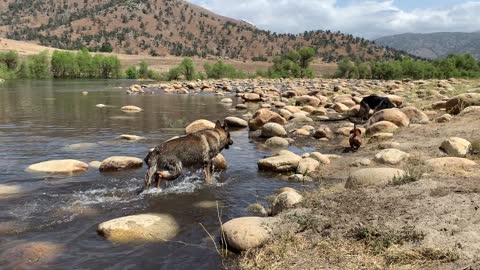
(166, 161)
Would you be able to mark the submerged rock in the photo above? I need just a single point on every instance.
(131, 108)
(32, 255)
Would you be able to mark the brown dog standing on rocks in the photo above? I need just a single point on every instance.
(355, 138)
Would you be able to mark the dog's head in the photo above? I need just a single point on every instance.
(225, 134)
(151, 162)
(356, 132)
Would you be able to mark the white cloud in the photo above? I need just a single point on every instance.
(367, 18)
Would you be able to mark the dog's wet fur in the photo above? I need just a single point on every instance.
(166, 161)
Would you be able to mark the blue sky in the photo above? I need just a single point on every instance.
(366, 18)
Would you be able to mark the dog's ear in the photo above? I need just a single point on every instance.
(218, 124)
(359, 131)
(225, 126)
(352, 131)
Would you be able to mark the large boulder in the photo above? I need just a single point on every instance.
(284, 161)
(456, 104)
(372, 177)
(456, 147)
(307, 166)
(140, 228)
(199, 125)
(236, 122)
(381, 127)
(392, 115)
(273, 130)
(247, 232)
(263, 116)
(415, 115)
(120, 163)
(391, 156)
(65, 166)
(285, 200)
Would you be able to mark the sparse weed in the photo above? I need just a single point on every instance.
(414, 170)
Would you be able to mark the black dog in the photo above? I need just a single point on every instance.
(375, 103)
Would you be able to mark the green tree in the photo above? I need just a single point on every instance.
(143, 71)
(306, 56)
(10, 59)
(188, 68)
(39, 66)
(131, 72)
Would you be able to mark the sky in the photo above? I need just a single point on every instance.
(365, 18)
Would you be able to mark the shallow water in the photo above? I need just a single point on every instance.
(45, 120)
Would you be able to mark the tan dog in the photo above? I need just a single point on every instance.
(166, 161)
(355, 138)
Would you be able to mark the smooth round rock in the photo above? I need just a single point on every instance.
(131, 108)
(391, 156)
(65, 166)
(285, 200)
(247, 232)
(120, 163)
(199, 125)
(140, 228)
(372, 177)
(456, 147)
(236, 122)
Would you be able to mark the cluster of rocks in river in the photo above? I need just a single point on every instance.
(291, 112)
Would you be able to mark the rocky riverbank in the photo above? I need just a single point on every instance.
(407, 199)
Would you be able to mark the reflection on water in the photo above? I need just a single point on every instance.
(45, 120)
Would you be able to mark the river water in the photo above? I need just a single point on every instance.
(46, 120)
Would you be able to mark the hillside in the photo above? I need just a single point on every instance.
(162, 27)
(435, 45)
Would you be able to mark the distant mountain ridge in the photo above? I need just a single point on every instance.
(162, 27)
(434, 45)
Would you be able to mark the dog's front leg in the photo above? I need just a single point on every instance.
(208, 169)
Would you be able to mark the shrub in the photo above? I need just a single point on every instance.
(131, 72)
